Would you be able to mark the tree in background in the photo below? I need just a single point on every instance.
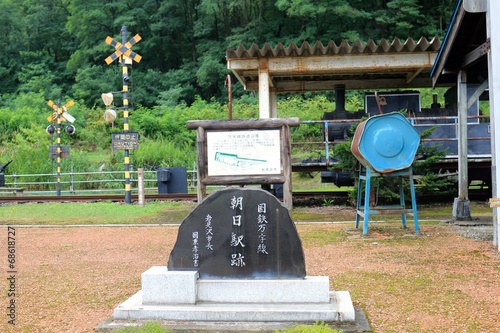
(57, 46)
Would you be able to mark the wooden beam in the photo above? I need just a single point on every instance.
(411, 76)
(354, 63)
(242, 124)
(476, 54)
(285, 86)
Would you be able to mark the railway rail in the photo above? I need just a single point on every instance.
(337, 195)
(299, 198)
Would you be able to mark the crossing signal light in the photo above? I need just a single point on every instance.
(70, 129)
(50, 129)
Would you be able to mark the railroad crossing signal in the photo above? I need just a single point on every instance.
(125, 50)
(59, 115)
(62, 111)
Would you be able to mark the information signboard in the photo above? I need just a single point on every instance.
(125, 141)
(247, 152)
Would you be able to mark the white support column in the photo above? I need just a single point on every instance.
(493, 29)
(461, 205)
(264, 96)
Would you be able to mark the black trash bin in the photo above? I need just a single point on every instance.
(278, 190)
(274, 189)
(172, 180)
(2, 175)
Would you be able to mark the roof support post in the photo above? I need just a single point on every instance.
(264, 95)
(493, 25)
(461, 205)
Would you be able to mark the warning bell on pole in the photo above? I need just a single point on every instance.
(110, 115)
(107, 98)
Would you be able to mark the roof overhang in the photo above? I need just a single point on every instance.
(320, 68)
(465, 46)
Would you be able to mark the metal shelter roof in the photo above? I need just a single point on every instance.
(464, 47)
(386, 65)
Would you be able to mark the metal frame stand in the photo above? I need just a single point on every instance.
(363, 209)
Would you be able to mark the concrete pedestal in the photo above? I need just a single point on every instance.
(461, 210)
(181, 296)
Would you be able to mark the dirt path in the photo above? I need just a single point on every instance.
(71, 279)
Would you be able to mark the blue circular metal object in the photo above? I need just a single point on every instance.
(388, 142)
(385, 143)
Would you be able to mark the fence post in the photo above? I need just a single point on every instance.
(71, 180)
(140, 186)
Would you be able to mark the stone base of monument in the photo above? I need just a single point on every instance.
(182, 296)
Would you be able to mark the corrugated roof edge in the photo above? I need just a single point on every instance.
(318, 49)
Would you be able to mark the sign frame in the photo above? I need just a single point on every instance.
(207, 130)
(245, 152)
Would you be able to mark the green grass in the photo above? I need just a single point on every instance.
(316, 328)
(478, 208)
(95, 213)
(154, 327)
(320, 238)
(303, 214)
(175, 212)
(151, 327)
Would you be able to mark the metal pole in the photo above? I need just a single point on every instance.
(462, 141)
(492, 28)
(125, 78)
(58, 139)
(461, 205)
(71, 182)
(229, 97)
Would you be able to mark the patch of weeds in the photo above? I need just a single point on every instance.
(465, 278)
(477, 254)
(429, 222)
(304, 216)
(150, 327)
(328, 202)
(412, 239)
(321, 237)
(316, 328)
(396, 285)
(443, 211)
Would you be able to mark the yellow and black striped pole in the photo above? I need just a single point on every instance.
(60, 114)
(126, 55)
(125, 78)
(58, 141)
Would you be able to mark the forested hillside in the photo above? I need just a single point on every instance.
(57, 46)
(55, 49)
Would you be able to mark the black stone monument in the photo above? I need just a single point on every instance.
(239, 233)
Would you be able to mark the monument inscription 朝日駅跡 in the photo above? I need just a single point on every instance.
(239, 233)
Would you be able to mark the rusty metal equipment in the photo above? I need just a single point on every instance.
(385, 145)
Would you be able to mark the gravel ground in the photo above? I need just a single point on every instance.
(70, 279)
